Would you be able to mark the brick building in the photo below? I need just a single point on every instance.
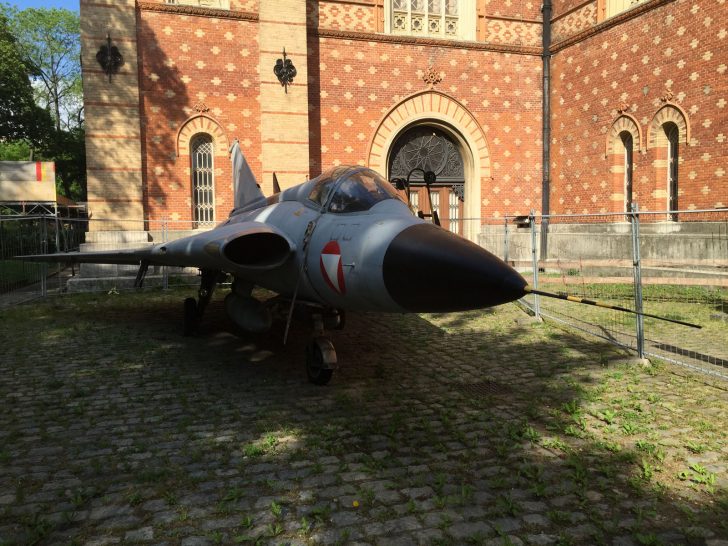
(638, 96)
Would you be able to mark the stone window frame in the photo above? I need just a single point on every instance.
(467, 20)
(670, 117)
(188, 130)
(615, 149)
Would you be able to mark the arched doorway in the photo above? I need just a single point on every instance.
(431, 148)
(436, 109)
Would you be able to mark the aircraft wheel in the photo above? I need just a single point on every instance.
(190, 310)
(320, 361)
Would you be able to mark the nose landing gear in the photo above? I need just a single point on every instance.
(320, 354)
(320, 360)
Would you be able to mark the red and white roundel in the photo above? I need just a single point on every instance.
(331, 267)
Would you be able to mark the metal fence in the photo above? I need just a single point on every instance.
(19, 235)
(22, 281)
(642, 261)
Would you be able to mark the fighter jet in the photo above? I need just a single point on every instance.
(343, 241)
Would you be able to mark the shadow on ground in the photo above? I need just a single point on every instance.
(470, 428)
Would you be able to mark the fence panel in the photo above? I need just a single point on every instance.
(19, 235)
(589, 256)
(685, 277)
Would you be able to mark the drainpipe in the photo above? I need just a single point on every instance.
(546, 132)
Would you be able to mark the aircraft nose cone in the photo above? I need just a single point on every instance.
(429, 269)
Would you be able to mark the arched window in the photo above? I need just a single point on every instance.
(623, 140)
(628, 143)
(669, 129)
(673, 158)
(203, 181)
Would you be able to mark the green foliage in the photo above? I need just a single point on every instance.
(68, 150)
(48, 39)
(20, 117)
(15, 150)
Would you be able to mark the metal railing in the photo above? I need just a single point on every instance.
(22, 281)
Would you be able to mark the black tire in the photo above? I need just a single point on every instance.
(190, 317)
(318, 371)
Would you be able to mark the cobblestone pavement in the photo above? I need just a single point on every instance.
(481, 428)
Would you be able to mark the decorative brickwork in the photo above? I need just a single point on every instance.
(506, 31)
(198, 74)
(527, 10)
(564, 7)
(575, 21)
(211, 70)
(435, 108)
(342, 16)
(359, 83)
(668, 113)
(202, 124)
(623, 123)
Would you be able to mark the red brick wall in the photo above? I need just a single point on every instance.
(562, 7)
(213, 63)
(681, 46)
(189, 61)
(525, 9)
(360, 81)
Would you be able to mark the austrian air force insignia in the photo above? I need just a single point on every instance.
(331, 267)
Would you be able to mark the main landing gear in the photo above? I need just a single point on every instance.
(195, 308)
(320, 353)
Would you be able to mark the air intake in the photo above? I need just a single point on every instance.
(257, 250)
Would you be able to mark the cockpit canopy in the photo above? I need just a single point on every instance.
(350, 189)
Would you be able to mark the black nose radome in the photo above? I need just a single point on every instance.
(429, 269)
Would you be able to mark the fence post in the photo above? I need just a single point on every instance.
(534, 264)
(165, 274)
(637, 269)
(505, 240)
(43, 250)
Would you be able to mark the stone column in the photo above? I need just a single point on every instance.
(283, 116)
(111, 108)
(113, 140)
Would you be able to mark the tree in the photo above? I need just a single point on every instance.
(42, 46)
(20, 118)
(49, 40)
(68, 150)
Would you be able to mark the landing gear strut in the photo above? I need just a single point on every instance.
(320, 355)
(195, 308)
(320, 360)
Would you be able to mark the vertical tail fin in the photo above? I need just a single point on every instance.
(276, 185)
(245, 186)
